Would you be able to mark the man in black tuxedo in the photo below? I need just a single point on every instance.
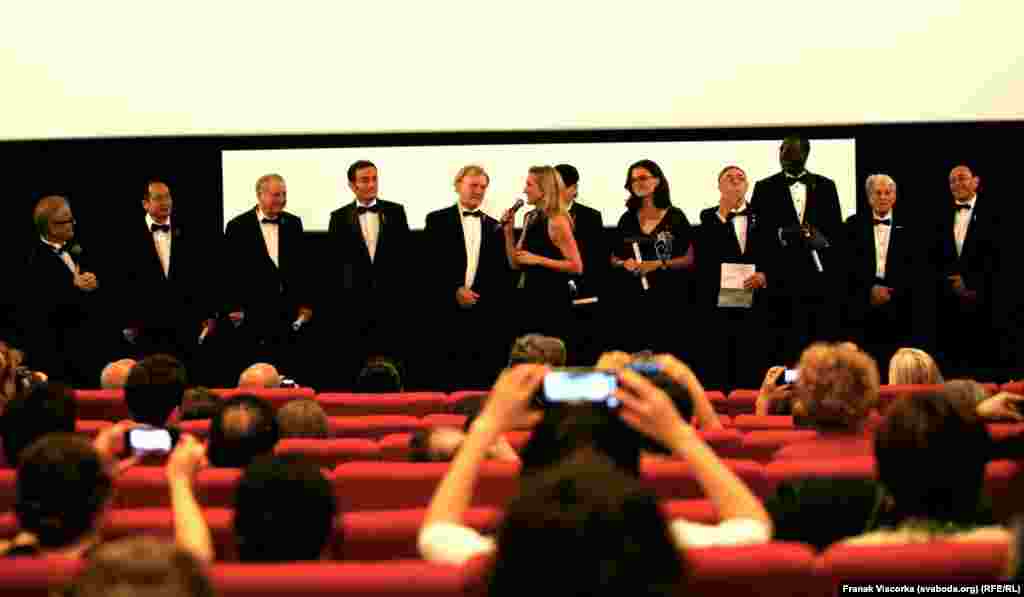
(801, 212)
(471, 286)
(734, 349)
(370, 296)
(972, 251)
(163, 295)
(585, 341)
(60, 311)
(890, 299)
(267, 292)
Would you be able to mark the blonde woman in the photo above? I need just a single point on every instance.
(913, 366)
(546, 252)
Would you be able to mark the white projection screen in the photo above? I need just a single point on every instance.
(73, 69)
(422, 178)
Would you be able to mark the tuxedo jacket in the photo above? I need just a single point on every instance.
(717, 243)
(147, 298)
(907, 269)
(360, 282)
(791, 269)
(982, 259)
(588, 229)
(253, 284)
(447, 248)
(53, 308)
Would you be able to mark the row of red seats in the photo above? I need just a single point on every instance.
(400, 485)
(774, 569)
(110, 405)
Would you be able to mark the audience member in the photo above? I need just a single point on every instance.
(645, 408)
(260, 375)
(931, 459)
(302, 418)
(115, 374)
(534, 348)
(244, 428)
(284, 511)
(836, 389)
(440, 444)
(199, 403)
(46, 409)
(913, 366)
(14, 377)
(774, 398)
(64, 490)
(380, 375)
(141, 567)
(154, 389)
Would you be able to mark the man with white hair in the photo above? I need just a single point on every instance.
(260, 375)
(116, 373)
(891, 302)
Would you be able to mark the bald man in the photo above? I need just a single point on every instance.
(115, 374)
(260, 375)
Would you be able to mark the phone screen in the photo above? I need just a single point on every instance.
(580, 386)
(790, 375)
(150, 440)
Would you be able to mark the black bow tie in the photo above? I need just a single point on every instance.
(160, 227)
(882, 222)
(269, 221)
(958, 206)
(733, 214)
(803, 178)
(472, 214)
(360, 210)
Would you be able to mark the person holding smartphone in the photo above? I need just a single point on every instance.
(643, 407)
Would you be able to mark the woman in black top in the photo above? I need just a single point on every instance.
(546, 254)
(662, 237)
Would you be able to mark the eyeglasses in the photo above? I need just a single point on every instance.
(62, 222)
(641, 179)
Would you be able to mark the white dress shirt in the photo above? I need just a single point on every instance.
(799, 193)
(162, 241)
(882, 235)
(271, 236)
(739, 224)
(64, 256)
(369, 223)
(471, 234)
(961, 222)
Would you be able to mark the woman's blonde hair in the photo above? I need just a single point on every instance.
(550, 181)
(913, 366)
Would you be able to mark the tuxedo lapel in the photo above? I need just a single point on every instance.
(256, 233)
(788, 198)
(459, 235)
(969, 238)
(152, 257)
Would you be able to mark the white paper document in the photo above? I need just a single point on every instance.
(732, 293)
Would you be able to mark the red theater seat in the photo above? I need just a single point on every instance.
(762, 445)
(673, 479)
(887, 394)
(373, 426)
(391, 534)
(739, 402)
(762, 422)
(1017, 387)
(938, 562)
(402, 485)
(792, 470)
(146, 487)
(1004, 484)
(771, 569)
(8, 489)
(415, 404)
(329, 453)
(445, 420)
(37, 577)
(105, 405)
(276, 396)
(376, 579)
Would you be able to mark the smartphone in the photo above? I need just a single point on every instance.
(575, 386)
(150, 440)
(790, 376)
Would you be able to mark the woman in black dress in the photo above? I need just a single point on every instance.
(546, 254)
(652, 259)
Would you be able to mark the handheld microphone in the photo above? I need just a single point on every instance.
(511, 213)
